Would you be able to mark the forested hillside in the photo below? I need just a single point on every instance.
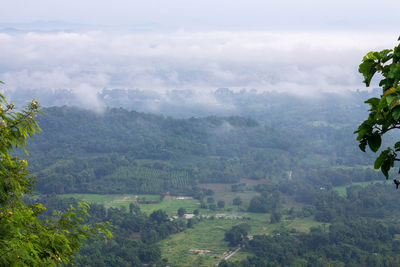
(120, 151)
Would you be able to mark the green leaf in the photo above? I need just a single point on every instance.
(364, 129)
(397, 146)
(374, 142)
(382, 103)
(362, 145)
(373, 102)
(367, 69)
(385, 83)
(371, 56)
(385, 168)
(386, 55)
(379, 160)
(394, 72)
(396, 113)
(391, 99)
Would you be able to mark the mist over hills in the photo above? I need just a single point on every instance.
(263, 106)
(222, 138)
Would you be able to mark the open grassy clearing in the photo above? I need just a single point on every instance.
(111, 200)
(343, 189)
(171, 205)
(242, 255)
(228, 197)
(195, 248)
(344, 167)
(204, 244)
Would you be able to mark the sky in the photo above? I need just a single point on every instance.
(301, 46)
(208, 15)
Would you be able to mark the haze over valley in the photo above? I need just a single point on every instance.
(199, 133)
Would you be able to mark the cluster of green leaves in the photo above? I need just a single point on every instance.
(384, 114)
(24, 238)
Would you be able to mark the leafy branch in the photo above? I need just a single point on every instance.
(24, 238)
(384, 112)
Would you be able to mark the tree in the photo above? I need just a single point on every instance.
(24, 238)
(237, 234)
(133, 208)
(159, 216)
(237, 201)
(189, 223)
(210, 200)
(275, 217)
(221, 204)
(384, 112)
(181, 212)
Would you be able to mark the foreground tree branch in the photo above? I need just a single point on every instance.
(384, 113)
(25, 240)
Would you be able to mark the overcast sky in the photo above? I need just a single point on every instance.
(299, 46)
(305, 15)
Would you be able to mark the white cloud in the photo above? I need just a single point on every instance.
(87, 95)
(302, 63)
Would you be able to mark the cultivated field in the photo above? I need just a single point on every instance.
(204, 245)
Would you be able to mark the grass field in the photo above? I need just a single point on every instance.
(228, 197)
(110, 200)
(204, 244)
(171, 205)
(195, 248)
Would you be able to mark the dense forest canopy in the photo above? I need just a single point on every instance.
(81, 150)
